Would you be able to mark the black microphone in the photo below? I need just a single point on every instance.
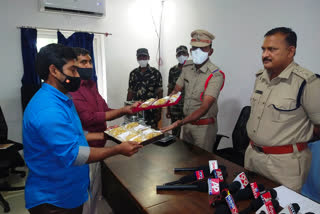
(258, 202)
(222, 209)
(200, 186)
(246, 193)
(264, 210)
(204, 167)
(290, 209)
(189, 178)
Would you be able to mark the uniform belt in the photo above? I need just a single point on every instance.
(279, 149)
(205, 121)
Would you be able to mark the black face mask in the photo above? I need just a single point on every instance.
(85, 73)
(71, 83)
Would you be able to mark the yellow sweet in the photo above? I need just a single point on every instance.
(117, 131)
(131, 125)
(160, 101)
(152, 135)
(147, 103)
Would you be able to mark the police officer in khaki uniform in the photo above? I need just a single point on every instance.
(285, 113)
(202, 81)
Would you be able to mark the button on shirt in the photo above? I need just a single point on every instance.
(268, 126)
(193, 82)
(52, 135)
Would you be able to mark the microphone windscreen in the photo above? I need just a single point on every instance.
(234, 186)
(203, 186)
(273, 193)
(296, 207)
(261, 187)
(222, 209)
(276, 204)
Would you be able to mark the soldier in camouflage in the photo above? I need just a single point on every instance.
(145, 82)
(176, 112)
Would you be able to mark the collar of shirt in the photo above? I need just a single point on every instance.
(64, 97)
(285, 74)
(148, 68)
(203, 68)
(87, 83)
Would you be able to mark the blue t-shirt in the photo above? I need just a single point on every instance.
(52, 134)
(311, 188)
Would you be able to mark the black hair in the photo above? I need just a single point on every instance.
(81, 51)
(53, 54)
(291, 36)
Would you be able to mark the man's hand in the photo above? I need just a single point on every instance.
(128, 109)
(172, 126)
(129, 148)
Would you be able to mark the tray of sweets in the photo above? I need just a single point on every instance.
(134, 132)
(153, 103)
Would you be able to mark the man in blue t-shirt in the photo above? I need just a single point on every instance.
(55, 148)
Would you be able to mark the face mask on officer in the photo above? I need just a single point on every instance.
(199, 56)
(85, 73)
(182, 59)
(143, 63)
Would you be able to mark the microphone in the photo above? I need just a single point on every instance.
(200, 186)
(257, 203)
(190, 178)
(269, 207)
(204, 167)
(246, 193)
(290, 209)
(222, 209)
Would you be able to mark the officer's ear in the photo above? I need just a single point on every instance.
(292, 51)
(210, 52)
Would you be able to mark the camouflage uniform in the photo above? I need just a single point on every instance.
(176, 111)
(146, 85)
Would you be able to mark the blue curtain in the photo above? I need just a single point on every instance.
(30, 80)
(81, 40)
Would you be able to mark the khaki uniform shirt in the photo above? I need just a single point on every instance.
(268, 126)
(193, 81)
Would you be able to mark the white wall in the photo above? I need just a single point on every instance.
(239, 27)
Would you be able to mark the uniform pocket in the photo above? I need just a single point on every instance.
(284, 110)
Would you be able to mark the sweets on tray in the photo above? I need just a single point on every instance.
(147, 103)
(131, 125)
(133, 132)
(173, 98)
(117, 131)
(161, 101)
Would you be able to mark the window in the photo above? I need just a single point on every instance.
(45, 37)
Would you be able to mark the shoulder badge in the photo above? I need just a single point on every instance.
(305, 74)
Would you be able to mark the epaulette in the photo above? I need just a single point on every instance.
(305, 74)
(259, 72)
(213, 67)
(188, 63)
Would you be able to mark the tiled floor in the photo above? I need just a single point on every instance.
(17, 203)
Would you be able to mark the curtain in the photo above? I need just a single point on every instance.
(30, 79)
(81, 40)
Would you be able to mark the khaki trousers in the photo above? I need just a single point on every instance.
(204, 136)
(290, 170)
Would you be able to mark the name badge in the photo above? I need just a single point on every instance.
(259, 92)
